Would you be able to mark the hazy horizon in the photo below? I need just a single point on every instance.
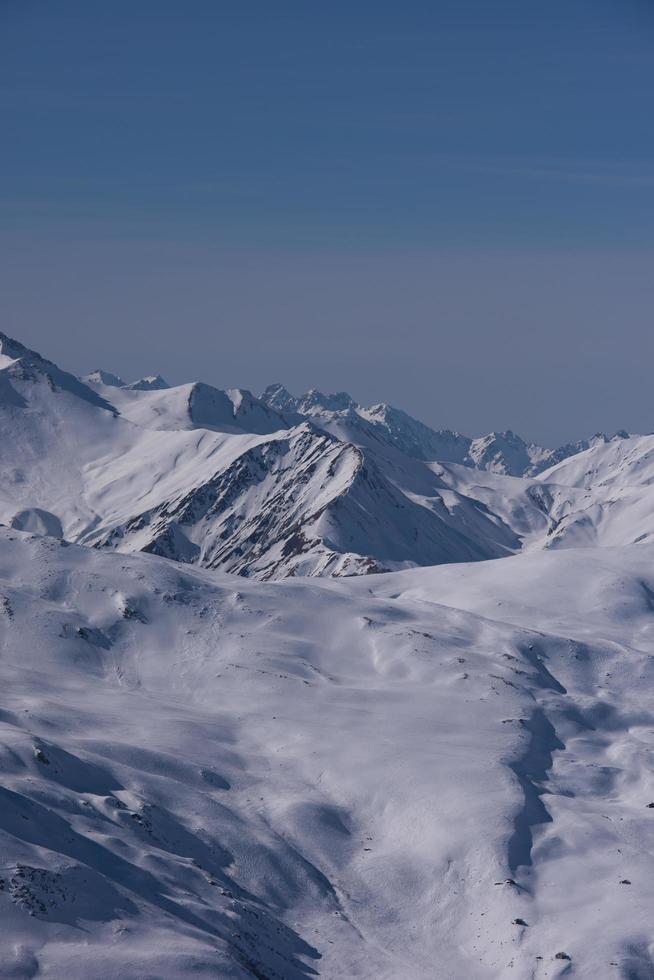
(449, 208)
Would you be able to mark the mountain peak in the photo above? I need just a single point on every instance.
(151, 382)
(100, 377)
(314, 400)
(310, 403)
(504, 452)
(28, 365)
(278, 397)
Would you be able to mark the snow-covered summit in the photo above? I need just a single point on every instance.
(312, 402)
(20, 364)
(151, 382)
(315, 401)
(280, 398)
(100, 377)
(506, 452)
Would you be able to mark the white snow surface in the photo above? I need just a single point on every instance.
(204, 776)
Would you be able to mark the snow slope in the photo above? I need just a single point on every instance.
(610, 495)
(439, 772)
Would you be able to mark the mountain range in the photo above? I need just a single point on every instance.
(229, 751)
(278, 485)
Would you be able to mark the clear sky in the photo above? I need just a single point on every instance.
(448, 204)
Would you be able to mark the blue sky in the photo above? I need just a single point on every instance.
(447, 205)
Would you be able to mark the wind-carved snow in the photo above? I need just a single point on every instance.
(434, 772)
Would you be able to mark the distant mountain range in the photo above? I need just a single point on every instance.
(282, 485)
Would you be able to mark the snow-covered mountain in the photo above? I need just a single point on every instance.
(282, 486)
(219, 478)
(442, 770)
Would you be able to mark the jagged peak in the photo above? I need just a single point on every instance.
(386, 411)
(103, 378)
(277, 396)
(338, 401)
(506, 435)
(151, 382)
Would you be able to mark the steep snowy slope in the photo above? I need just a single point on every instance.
(300, 503)
(609, 495)
(441, 772)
